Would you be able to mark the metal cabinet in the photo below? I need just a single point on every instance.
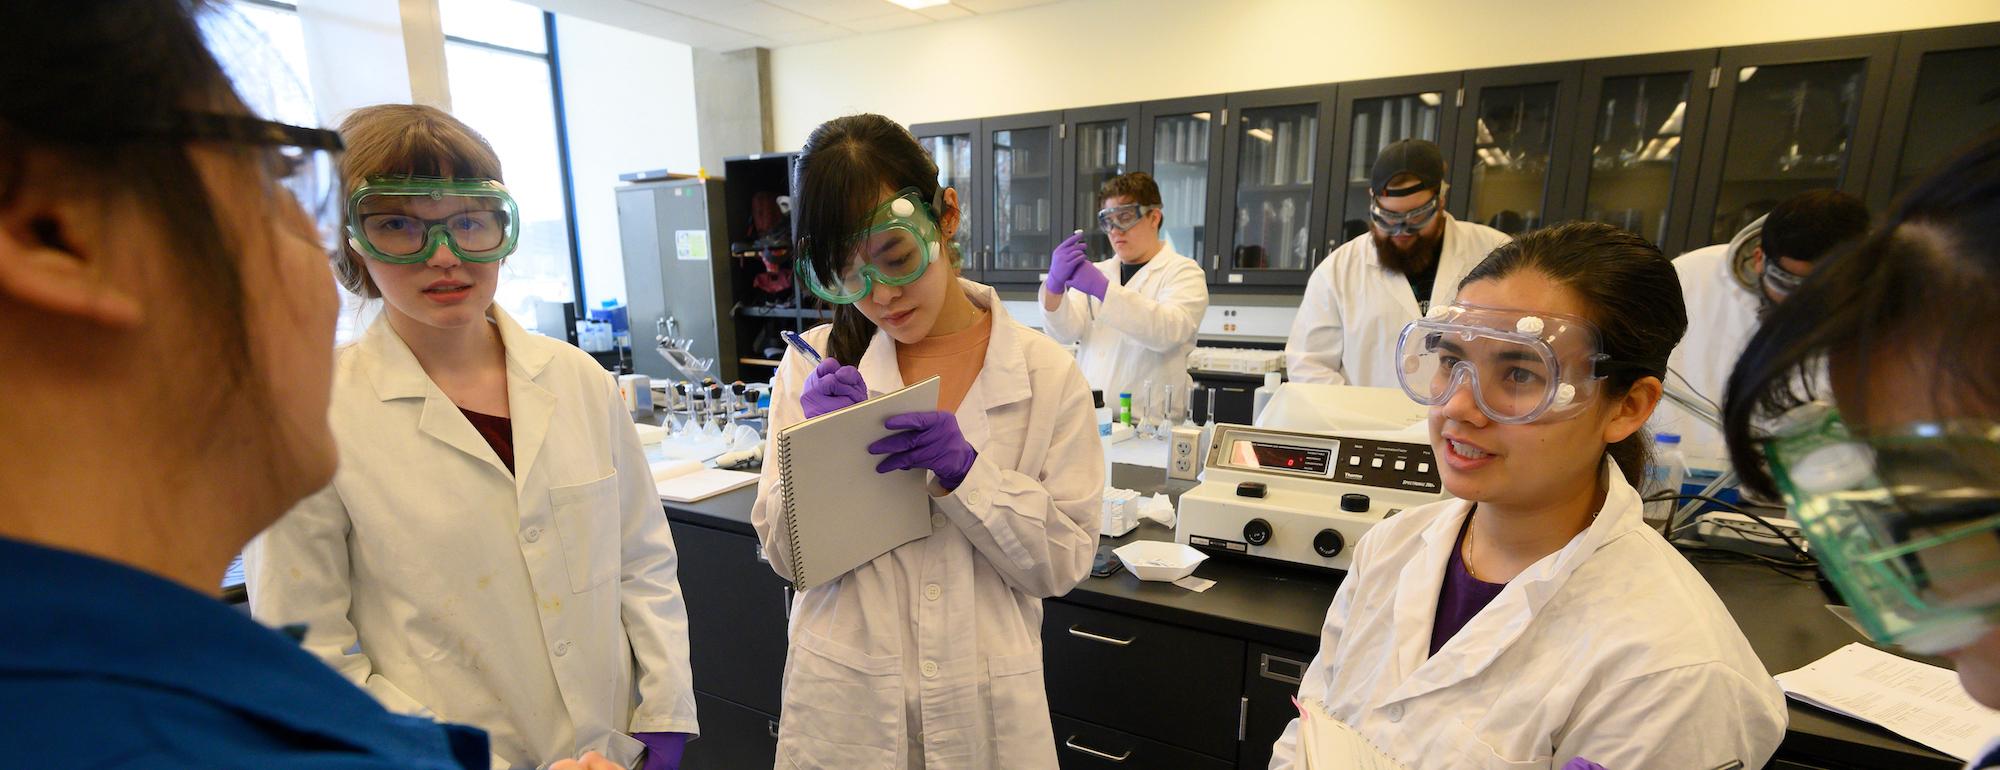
(1153, 680)
(1022, 197)
(731, 737)
(737, 611)
(954, 147)
(1270, 678)
(1786, 118)
(1275, 161)
(1945, 92)
(1180, 144)
(1097, 144)
(1507, 161)
(1637, 137)
(1374, 114)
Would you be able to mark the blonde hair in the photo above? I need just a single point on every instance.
(404, 140)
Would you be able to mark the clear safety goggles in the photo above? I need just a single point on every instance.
(898, 242)
(1122, 218)
(1521, 366)
(1779, 282)
(1905, 522)
(1403, 223)
(404, 219)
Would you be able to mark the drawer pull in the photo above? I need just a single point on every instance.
(1082, 634)
(788, 602)
(1287, 666)
(1072, 745)
(774, 726)
(760, 553)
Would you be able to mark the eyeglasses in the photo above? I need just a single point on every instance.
(1122, 218)
(302, 161)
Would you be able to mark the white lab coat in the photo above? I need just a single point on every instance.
(931, 656)
(543, 606)
(1354, 308)
(1141, 331)
(1722, 314)
(1613, 649)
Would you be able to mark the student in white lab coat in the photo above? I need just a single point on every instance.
(492, 550)
(1136, 315)
(930, 655)
(1892, 462)
(1728, 286)
(1536, 621)
(1409, 261)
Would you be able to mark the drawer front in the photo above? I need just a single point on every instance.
(1081, 745)
(732, 737)
(1156, 681)
(1270, 679)
(736, 616)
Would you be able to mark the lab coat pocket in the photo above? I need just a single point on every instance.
(843, 708)
(1468, 749)
(586, 517)
(1022, 734)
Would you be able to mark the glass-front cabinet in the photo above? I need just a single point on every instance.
(952, 146)
(1638, 131)
(1785, 119)
(1517, 124)
(1022, 196)
(1278, 169)
(1946, 92)
(1097, 142)
(1179, 145)
(1375, 114)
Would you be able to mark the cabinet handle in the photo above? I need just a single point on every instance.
(1080, 633)
(759, 550)
(1070, 742)
(1242, 718)
(788, 602)
(773, 723)
(1264, 668)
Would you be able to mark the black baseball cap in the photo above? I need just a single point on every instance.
(1416, 157)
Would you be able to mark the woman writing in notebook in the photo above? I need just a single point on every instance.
(491, 550)
(929, 655)
(1536, 621)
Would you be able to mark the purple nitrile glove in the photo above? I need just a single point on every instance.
(1579, 763)
(831, 387)
(928, 440)
(1088, 279)
(1063, 262)
(663, 750)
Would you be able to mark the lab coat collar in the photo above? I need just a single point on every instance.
(1166, 254)
(1494, 629)
(1448, 259)
(1002, 380)
(395, 374)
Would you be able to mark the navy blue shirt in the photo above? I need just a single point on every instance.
(104, 666)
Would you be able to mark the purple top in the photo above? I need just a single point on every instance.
(1462, 596)
(663, 750)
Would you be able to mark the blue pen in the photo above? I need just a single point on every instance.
(798, 343)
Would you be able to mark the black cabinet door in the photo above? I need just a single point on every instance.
(1081, 745)
(736, 616)
(732, 737)
(1021, 200)
(1154, 680)
(1270, 679)
(1180, 142)
(1638, 134)
(1786, 118)
(1373, 114)
(1097, 145)
(1275, 161)
(954, 146)
(1513, 145)
(1946, 91)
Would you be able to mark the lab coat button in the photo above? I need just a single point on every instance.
(972, 498)
(937, 520)
(933, 591)
(533, 534)
(1395, 712)
(562, 648)
(930, 669)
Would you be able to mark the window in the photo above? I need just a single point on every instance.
(262, 45)
(502, 85)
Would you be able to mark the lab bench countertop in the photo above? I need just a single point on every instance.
(1784, 618)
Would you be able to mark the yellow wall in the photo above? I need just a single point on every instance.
(1086, 52)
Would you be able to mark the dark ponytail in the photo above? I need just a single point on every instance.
(847, 167)
(1628, 289)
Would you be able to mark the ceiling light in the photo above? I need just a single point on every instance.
(920, 4)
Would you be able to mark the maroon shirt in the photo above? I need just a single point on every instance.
(498, 432)
(1462, 595)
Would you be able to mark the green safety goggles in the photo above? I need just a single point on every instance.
(1905, 522)
(897, 243)
(404, 219)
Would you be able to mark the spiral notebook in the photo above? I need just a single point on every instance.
(837, 512)
(1326, 743)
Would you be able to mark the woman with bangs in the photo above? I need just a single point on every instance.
(930, 655)
(492, 550)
